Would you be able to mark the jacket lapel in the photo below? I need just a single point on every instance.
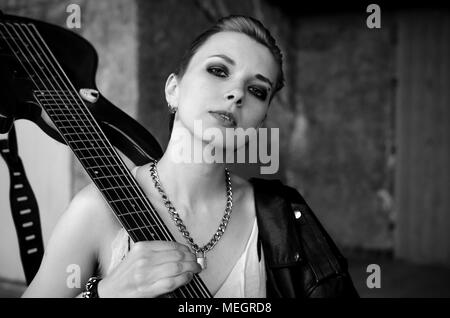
(276, 224)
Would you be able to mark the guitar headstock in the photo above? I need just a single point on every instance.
(16, 85)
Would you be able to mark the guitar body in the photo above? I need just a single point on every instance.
(79, 60)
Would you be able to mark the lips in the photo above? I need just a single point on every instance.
(226, 118)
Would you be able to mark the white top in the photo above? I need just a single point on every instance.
(247, 279)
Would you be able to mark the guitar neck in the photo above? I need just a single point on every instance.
(103, 165)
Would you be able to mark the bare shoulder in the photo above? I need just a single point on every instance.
(73, 245)
(91, 208)
(90, 199)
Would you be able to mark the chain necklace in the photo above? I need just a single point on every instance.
(200, 252)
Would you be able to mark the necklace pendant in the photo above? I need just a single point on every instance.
(201, 259)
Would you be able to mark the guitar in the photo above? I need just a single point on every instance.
(47, 76)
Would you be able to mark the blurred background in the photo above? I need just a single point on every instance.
(364, 122)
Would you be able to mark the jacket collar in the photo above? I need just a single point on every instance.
(276, 224)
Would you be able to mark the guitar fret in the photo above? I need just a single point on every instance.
(81, 134)
(126, 199)
(69, 127)
(133, 212)
(44, 93)
(53, 98)
(103, 166)
(69, 116)
(112, 177)
(57, 113)
(73, 122)
(64, 111)
(109, 167)
(91, 148)
(59, 103)
(140, 228)
(98, 157)
(86, 140)
(118, 187)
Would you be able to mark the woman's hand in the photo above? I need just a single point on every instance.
(151, 269)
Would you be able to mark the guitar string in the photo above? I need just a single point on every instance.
(26, 58)
(130, 179)
(111, 149)
(99, 153)
(43, 83)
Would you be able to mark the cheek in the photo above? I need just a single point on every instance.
(197, 91)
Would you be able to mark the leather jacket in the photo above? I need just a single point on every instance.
(302, 261)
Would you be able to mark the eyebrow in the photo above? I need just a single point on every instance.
(232, 62)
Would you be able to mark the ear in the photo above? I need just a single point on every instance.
(171, 90)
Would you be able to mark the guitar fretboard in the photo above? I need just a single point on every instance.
(102, 164)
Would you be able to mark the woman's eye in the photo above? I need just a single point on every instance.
(218, 71)
(258, 92)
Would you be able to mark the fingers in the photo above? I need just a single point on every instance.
(156, 246)
(160, 267)
(160, 253)
(172, 256)
(167, 277)
(172, 269)
(169, 284)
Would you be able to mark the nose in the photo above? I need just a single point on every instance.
(235, 96)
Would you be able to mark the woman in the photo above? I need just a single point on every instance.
(226, 80)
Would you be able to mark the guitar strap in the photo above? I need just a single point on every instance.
(24, 208)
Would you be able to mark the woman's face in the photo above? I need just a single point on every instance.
(229, 73)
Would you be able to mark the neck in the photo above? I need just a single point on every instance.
(186, 180)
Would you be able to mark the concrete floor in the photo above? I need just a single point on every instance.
(399, 279)
(11, 289)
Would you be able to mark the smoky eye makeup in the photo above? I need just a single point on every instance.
(259, 92)
(217, 70)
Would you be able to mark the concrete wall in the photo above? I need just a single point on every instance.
(423, 132)
(342, 141)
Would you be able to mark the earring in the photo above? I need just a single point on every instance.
(172, 109)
